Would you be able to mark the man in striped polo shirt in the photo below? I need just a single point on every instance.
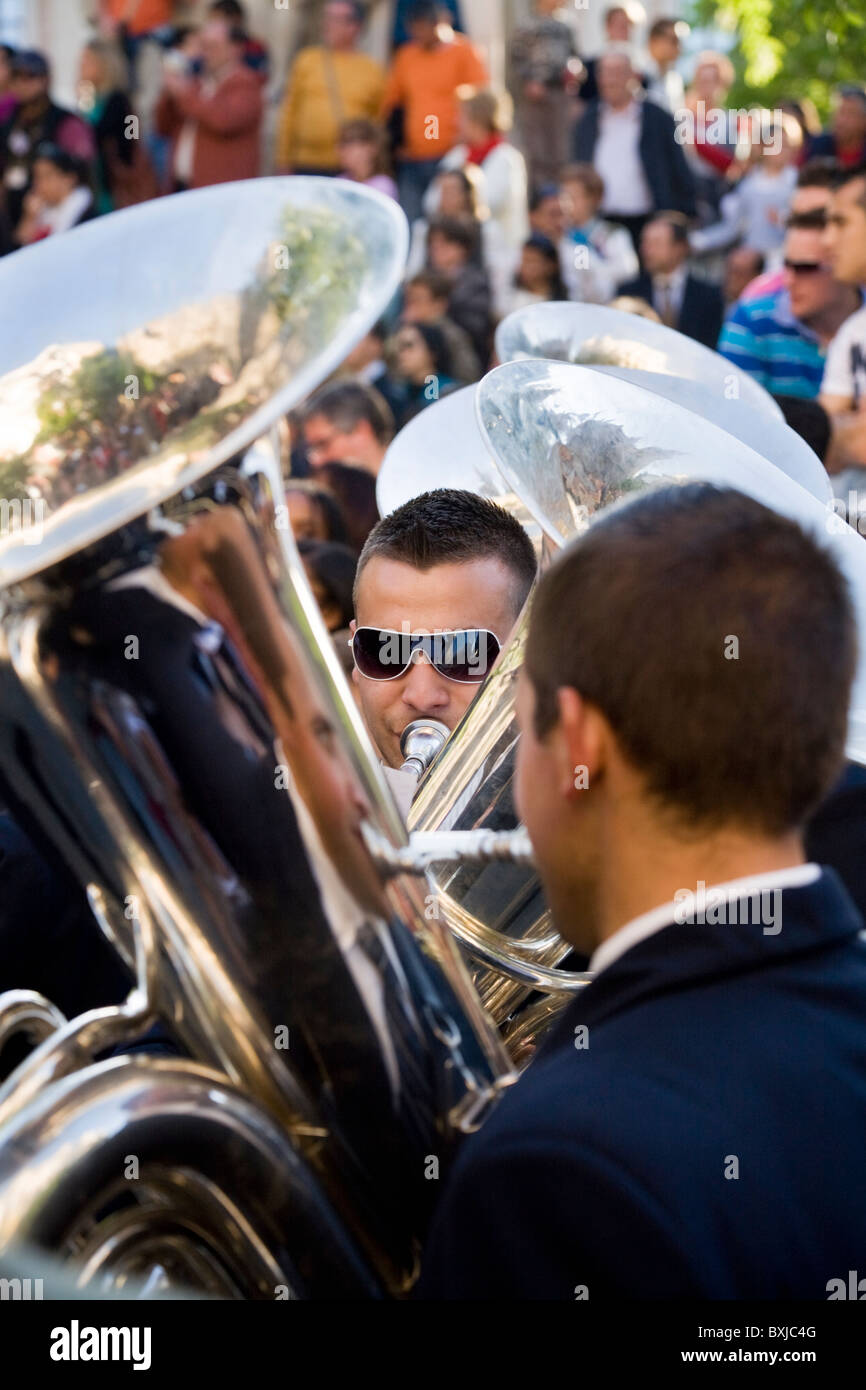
(781, 338)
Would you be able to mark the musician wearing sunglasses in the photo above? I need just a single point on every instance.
(440, 584)
(781, 338)
(694, 1124)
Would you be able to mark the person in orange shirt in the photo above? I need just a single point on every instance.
(137, 16)
(130, 21)
(330, 83)
(421, 97)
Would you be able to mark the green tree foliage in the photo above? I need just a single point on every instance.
(790, 48)
(95, 392)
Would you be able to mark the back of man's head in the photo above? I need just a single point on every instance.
(452, 527)
(718, 641)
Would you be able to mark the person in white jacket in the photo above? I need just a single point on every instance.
(484, 118)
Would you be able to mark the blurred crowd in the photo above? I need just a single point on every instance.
(618, 177)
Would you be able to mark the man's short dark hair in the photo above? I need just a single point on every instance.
(462, 231)
(437, 285)
(29, 62)
(820, 172)
(678, 223)
(346, 403)
(452, 527)
(809, 420)
(661, 27)
(853, 91)
(542, 195)
(358, 8)
(641, 615)
(231, 9)
(423, 12)
(850, 175)
(815, 220)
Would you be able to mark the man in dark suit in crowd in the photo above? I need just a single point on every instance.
(694, 307)
(695, 1124)
(632, 143)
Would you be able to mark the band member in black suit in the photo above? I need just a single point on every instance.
(682, 301)
(695, 1124)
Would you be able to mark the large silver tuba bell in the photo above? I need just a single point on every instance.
(176, 725)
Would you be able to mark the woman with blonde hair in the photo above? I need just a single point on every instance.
(484, 119)
(123, 172)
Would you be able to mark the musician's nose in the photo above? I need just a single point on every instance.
(425, 691)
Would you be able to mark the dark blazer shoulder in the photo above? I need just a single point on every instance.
(639, 288)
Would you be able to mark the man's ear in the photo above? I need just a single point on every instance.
(580, 734)
(352, 627)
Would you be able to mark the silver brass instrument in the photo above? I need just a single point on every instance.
(665, 361)
(176, 725)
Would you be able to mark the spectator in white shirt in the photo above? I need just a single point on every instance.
(843, 391)
(484, 117)
(632, 143)
(539, 276)
(597, 256)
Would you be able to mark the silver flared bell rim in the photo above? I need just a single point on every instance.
(594, 335)
(770, 437)
(146, 348)
(571, 441)
(440, 447)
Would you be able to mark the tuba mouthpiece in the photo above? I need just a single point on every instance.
(420, 741)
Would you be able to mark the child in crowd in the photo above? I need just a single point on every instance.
(423, 363)
(425, 300)
(539, 276)
(754, 213)
(597, 256)
(61, 196)
(451, 246)
(361, 150)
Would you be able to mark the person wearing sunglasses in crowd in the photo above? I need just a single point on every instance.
(440, 584)
(423, 368)
(781, 339)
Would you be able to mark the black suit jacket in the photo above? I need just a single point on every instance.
(667, 172)
(701, 312)
(708, 1139)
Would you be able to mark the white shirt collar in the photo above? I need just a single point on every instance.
(639, 928)
(65, 215)
(632, 112)
(675, 279)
